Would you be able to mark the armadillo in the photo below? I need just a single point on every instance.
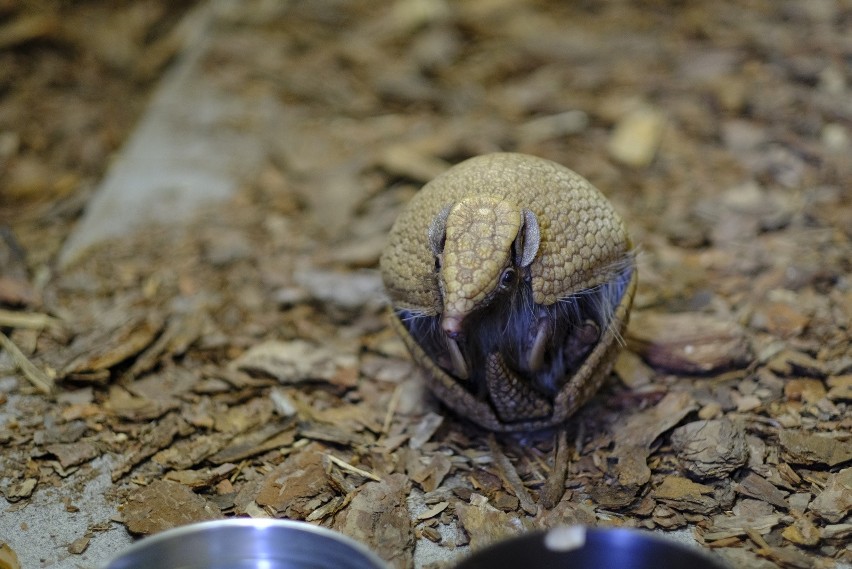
(511, 280)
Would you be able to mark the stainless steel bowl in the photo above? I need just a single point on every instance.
(577, 547)
(248, 544)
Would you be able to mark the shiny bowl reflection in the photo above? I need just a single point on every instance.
(248, 544)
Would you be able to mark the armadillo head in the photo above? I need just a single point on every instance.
(480, 243)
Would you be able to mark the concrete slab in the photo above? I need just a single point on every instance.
(193, 147)
(41, 531)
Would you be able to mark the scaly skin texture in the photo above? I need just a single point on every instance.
(513, 338)
(581, 233)
(480, 232)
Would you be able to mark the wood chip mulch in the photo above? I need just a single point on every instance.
(243, 365)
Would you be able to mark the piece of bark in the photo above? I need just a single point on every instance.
(431, 474)
(804, 389)
(408, 161)
(779, 319)
(267, 437)
(836, 531)
(152, 439)
(745, 558)
(42, 381)
(755, 486)
(747, 515)
(166, 386)
(331, 434)
(101, 351)
(485, 524)
(511, 480)
(69, 432)
(631, 370)
(350, 290)
(181, 331)
(568, 513)
(8, 557)
(685, 495)
(79, 545)
(799, 502)
(378, 517)
(16, 292)
(297, 361)
(801, 447)
(637, 136)
(835, 501)
(554, 487)
(27, 320)
(840, 388)
(667, 518)
(486, 482)
(632, 438)
(329, 508)
(163, 505)
(790, 558)
(72, 454)
(297, 487)
(238, 419)
(186, 453)
(710, 449)
(425, 430)
(688, 343)
(20, 490)
(802, 532)
(505, 501)
(202, 478)
(789, 363)
(124, 404)
(433, 511)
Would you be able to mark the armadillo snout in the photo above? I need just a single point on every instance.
(452, 326)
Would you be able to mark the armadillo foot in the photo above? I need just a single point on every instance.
(513, 398)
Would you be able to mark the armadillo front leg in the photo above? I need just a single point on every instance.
(513, 399)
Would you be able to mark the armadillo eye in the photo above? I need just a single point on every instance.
(508, 277)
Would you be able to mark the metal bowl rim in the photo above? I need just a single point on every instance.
(650, 537)
(179, 532)
(658, 539)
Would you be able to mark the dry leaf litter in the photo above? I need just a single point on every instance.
(243, 365)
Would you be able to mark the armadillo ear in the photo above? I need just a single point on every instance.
(438, 231)
(529, 238)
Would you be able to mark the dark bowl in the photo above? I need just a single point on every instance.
(577, 547)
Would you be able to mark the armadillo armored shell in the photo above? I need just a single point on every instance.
(511, 280)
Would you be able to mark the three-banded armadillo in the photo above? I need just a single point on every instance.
(511, 279)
